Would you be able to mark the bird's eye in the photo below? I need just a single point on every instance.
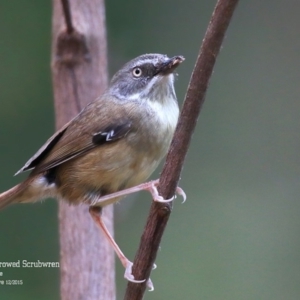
(137, 72)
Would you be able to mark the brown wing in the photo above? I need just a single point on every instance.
(44, 150)
(93, 127)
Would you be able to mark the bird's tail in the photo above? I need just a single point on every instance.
(12, 195)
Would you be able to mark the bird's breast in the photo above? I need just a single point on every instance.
(123, 163)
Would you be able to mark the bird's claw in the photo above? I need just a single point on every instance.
(150, 285)
(128, 273)
(181, 193)
(157, 198)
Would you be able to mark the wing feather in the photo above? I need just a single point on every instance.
(92, 128)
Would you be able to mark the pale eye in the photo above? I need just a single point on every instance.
(137, 72)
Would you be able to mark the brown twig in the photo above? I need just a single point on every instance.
(195, 96)
(67, 15)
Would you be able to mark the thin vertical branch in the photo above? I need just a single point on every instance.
(79, 72)
(195, 96)
(67, 15)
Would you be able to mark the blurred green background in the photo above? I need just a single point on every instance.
(237, 236)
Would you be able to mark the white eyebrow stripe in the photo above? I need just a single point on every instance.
(145, 61)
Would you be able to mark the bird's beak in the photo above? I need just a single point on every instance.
(169, 66)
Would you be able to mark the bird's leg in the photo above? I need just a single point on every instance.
(150, 186)
(95, 212)
(96, 215)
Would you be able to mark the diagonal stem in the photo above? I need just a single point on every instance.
(194, 99)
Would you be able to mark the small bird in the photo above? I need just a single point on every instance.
(111, 147)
